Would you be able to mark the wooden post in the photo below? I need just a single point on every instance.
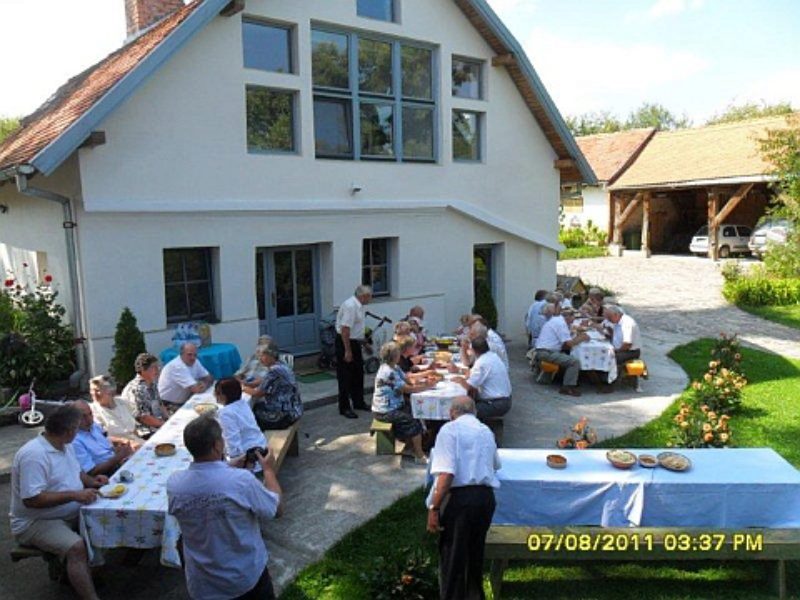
(617, 215)
(713, 230)
(646, 224)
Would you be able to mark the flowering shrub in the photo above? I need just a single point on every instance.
(703, 428)
(34, 341)
(580, 436)
(727, 352)
(408, 576)
(720, 389)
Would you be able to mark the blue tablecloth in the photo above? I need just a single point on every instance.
(221, 360)
(725, 488)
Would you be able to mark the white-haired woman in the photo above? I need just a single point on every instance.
(112, 413)
(252, 371)
(388, 402)
(276, 399)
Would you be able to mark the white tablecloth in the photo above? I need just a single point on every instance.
(725, 488)
(139, 519)
(434, 404)
(597, 355)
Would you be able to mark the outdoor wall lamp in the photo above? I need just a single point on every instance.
(355, 188)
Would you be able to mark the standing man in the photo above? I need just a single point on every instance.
(349, 361)
(221, 512)
(183, 376)
(461, 504)
(554, 344)
(48, 488)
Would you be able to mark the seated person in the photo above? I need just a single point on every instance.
(276, 400)
(252, 371)
(553, 345)
(114, 414)
(533, 318)
(463, 327)
(142, 392)
(401, 329)
(487, 382)
(479, 328)
(183, 376)
(416, 318)
(388, 402)
(625, 336)
(593, 307)
(48, 488)
(239, 427)
(96, 454)
(408, 360)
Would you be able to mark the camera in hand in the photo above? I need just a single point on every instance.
(251, 459)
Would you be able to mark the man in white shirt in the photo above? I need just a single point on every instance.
(349, 361)
(222, 511)
(625, 338)
(183, 376)
(488, 382)
(462, 503)
(534, 318)
(554, 343)
(47, 490)
(478, 327)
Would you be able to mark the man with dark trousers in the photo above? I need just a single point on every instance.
(461, 503)
(349, 361)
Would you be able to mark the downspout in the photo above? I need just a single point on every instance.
(77, 379)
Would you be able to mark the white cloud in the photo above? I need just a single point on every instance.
(665, 8)
(780, 86)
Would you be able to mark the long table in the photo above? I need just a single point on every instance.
(139, 519)
(597, 354)
(434, 404)
(725, 488)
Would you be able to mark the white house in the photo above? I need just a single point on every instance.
(250, 163)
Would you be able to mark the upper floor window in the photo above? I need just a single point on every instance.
(380, 105)
(267, 47)
(270, 120)
(467, 78)
(376, 9)
(375, 265)
(466, 135)
(188, 284)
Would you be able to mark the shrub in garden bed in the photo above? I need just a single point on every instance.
(762, 291)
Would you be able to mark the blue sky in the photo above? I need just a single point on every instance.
(693, 56)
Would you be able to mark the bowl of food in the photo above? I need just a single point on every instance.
(556, 461)
(202, 408)
(648, 461)
(443, 357)
(674, 461)
(445, 342)
(621, 459)
(113, 490)
(165, 449)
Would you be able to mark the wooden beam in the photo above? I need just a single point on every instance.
(617, 215)
(629, 209)
(713, 234)
(646, 224)
(233, 7)
(96, 138)
(740, 195)
(563, 164)
(503, 60)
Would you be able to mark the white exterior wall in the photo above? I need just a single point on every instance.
(175, 172)
(595, 206)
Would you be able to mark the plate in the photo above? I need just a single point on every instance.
(556, 461)
(648, 461)
(673, 461)
(165, 449)
(113, 490)
(621, 459)
(204, 407)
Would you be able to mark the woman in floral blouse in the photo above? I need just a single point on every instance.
(276, 400)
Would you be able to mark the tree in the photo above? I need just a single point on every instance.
(8, 125)
(652, 114)
(128, 344)
(484, 303)
(750, 110)
(594, 122)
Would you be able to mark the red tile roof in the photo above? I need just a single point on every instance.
(609, 154)
(79, 94)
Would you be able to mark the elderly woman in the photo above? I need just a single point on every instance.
(388, 403)
(113, 414)
(593, 307)
(239, 428)
(276, 399)
(408, 361)
(253, 370)
(142, 393)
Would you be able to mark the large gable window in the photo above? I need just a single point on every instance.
(378, 106)
(188, 284)
(270, 120)
(267, 47)
(383, 10)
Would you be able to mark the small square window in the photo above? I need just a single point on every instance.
(376, 9)
(270, 120)
(466, 135)
(467, 78)
(267, 47)
(188, 284)
(375, 265)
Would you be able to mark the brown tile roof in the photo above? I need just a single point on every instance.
(610, 153)
(73, 99)
(718, 152)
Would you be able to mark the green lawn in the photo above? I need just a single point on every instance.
(770, 417)
(785, 315)
(582, 252)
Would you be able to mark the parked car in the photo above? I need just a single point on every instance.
(731, 239)
(768, 230)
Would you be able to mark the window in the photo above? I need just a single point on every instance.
(267, 47)
(466, 135)
(467, 78)
(375, 265)
(572, 198)
(270, 120)
(380, 108)
(376, 9)
(188, 284)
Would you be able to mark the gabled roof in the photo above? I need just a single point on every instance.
(718, 154)
(49, 135)
(609, 154)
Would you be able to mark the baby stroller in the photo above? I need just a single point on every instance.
(327, 340)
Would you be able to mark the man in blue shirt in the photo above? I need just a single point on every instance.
(221, 511)
(96, 454)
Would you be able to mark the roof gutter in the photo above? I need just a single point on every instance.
(22, 173)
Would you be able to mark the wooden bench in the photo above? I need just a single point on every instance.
(55, 569)
(504, 543)
(283, 442)
(384, 437)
